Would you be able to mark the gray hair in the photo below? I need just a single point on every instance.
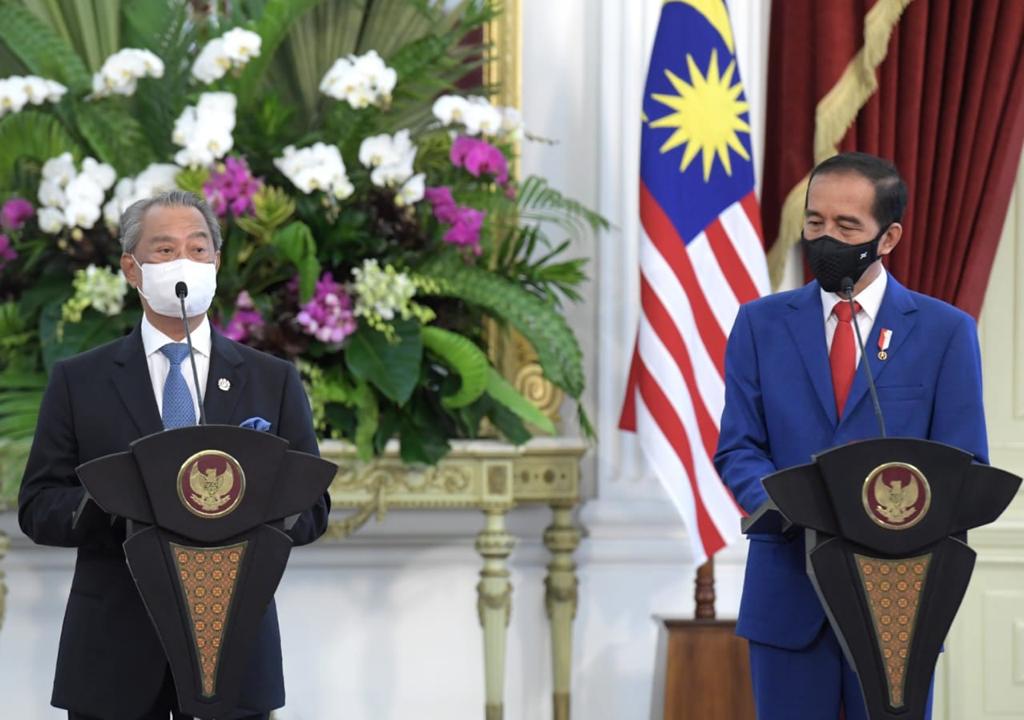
(134, 214)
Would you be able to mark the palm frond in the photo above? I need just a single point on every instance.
(40, 48)
(27, 140)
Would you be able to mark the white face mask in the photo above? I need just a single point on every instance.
(159, 280)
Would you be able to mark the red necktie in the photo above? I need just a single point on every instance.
(843, 356)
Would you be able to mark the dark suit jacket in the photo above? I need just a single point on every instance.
(780, 410)
(110, 663)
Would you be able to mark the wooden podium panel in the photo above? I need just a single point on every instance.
(704, 672)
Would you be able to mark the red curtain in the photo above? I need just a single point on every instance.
(949, 112)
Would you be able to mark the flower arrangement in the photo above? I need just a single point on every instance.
(371, 219)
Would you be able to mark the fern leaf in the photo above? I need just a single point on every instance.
(115, 135)
(32, 136)
(541, 324)
(42, 50)
(501, 391)
(539, 201)
(465, 358)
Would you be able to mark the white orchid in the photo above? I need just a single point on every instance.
(241, 45)
(318, 167)
(204, 130)
(212, 63)
(233, 50)
(121, 72)
(81, 214)
(412, 191)
(450, 109)
(155, 179)
(51, 194)
(84, 191)
(60, 169)
(51, 220)
(478, 116)
(17, 91)
(361, 80)
(70, 197)
(391, 158)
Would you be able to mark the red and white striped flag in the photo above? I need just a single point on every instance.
(701, 257)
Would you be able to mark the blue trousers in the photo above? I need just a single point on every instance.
(812, 683)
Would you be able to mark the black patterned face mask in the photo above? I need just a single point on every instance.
(832, 260)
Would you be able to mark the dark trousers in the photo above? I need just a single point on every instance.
(166, 706)
(813, 683)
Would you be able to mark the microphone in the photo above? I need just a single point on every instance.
(846, 291)
(181, 290)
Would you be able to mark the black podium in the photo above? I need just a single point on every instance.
(884, 523)
(206, 509)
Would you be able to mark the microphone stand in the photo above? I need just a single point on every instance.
(181, 290)
(847, 293)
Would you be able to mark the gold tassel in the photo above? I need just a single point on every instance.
(833, 117)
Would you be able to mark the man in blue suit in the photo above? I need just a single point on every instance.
(794, 388)
(110, 664)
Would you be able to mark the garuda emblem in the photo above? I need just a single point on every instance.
(211, 484)
(896, 496)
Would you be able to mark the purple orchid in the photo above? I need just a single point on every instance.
(328, 316)
(15, 213)
(231, 189)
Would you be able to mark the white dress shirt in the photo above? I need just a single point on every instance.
(870, 300)
(159, 365)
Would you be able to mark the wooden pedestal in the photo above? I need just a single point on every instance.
(703, 672)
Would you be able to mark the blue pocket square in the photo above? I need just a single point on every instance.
(256, 423)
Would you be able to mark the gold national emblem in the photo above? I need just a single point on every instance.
(211, 484)
(896, 496)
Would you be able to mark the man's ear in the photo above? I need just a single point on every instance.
(130, 270)
(890, 239)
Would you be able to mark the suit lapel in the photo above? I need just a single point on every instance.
(807, 326)
(897, 313)
(227, 370)
(134, 386)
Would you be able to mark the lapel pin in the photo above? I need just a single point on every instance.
(884, 338)
(224, 384)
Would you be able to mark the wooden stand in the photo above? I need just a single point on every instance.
(703, 668)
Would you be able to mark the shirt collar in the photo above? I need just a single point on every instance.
(153, 339)
(870, 298)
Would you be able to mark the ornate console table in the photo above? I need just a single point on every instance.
(492, 477)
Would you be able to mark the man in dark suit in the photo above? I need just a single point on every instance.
(793, 388)
(110, 665)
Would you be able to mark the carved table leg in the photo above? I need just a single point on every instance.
(494, 604)
(561, 539)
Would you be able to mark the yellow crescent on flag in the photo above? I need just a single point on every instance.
(717, 15)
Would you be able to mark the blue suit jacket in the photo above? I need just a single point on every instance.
(780, 410)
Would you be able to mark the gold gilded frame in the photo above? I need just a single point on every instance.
(509, 351)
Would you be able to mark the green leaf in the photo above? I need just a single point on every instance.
(462, 356)
(275, 19)
(510, 424)
(114, 134)
(503, 392)
(541, 324)
(422, 439)
(295, 242)
(392, 367)
(30, 137)
(61, 340)
(42, 50)
(367, 419)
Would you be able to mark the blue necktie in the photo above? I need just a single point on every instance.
(178, 408)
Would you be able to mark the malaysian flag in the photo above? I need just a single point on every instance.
(701, 257)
